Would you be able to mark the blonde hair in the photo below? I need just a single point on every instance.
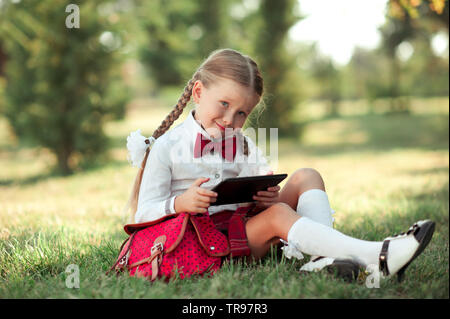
(223, 63)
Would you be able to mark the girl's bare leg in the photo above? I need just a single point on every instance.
(266, 228)
(300, 181)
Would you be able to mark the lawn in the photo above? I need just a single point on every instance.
(382, 173)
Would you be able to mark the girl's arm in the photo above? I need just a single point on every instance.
(154, 199)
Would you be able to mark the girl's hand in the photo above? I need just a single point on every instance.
(195, 199)
(269, 197)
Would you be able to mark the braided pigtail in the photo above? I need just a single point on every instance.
(163, 127)
(177, 110)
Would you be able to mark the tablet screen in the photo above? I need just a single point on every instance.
(241, 189)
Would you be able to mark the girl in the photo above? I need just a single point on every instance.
(176, 175)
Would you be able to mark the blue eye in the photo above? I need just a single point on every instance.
(242, 113)
(224, 103)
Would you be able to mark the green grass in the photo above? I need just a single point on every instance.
(382, 173)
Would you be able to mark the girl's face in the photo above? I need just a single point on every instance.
(225, 104)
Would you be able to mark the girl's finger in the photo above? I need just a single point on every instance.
(200, 181)
(274, 188)
(206, 199)
(267, 194)
(202, 204)
(263, 199)
(206, 192)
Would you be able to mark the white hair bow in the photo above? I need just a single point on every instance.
(137, 146)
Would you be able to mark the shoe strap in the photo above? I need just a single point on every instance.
(383, 258)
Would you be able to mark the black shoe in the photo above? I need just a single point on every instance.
(346, 269)
(422, 232)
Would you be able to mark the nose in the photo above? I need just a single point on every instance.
(228, 119)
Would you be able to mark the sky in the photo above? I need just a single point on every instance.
(340, 25)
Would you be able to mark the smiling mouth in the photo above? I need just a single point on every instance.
(220, 126)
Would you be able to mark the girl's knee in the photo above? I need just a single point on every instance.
(280, 208)
(308, 178)
(280, 213)
(306, 174)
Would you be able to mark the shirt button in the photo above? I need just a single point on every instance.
(217, 175)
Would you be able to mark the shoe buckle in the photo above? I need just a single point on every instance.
(383, 258)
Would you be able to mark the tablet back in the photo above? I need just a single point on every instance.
(241, 189)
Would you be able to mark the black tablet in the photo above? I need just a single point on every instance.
(241, 189)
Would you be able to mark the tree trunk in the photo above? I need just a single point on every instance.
(63, 155)
(395, 78)
(2, 60)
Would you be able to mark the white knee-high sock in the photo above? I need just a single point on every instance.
(314, 238)
(314, 204)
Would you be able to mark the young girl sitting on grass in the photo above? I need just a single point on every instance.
(179, 170)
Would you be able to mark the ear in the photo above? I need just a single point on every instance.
(197, 90)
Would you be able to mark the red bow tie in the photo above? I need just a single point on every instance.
(227, 147)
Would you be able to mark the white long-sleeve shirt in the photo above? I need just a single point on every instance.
(171, 169)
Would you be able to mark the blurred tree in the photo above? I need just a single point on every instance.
(426, 74)
(328, 77)
(2, 59)
(59, 83)
(437, 9)
(213, 21)
(170, 30)
(277, 64)
(432, 19)
(393, 33)
(436, 16)
(407, 20)
(179, 35)
(242, 24)
(368, 74)
(2, 71)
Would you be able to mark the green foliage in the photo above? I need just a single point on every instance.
(329, 77)
(381, 73)
(412, 22)
(275, 62)
(212, 18)
(60, 82)
(367, 75)
(61, 85)
(2, 94)
(168, 50)
(425, 74)
(178, 35)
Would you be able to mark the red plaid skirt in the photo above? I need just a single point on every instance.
(232, 224)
